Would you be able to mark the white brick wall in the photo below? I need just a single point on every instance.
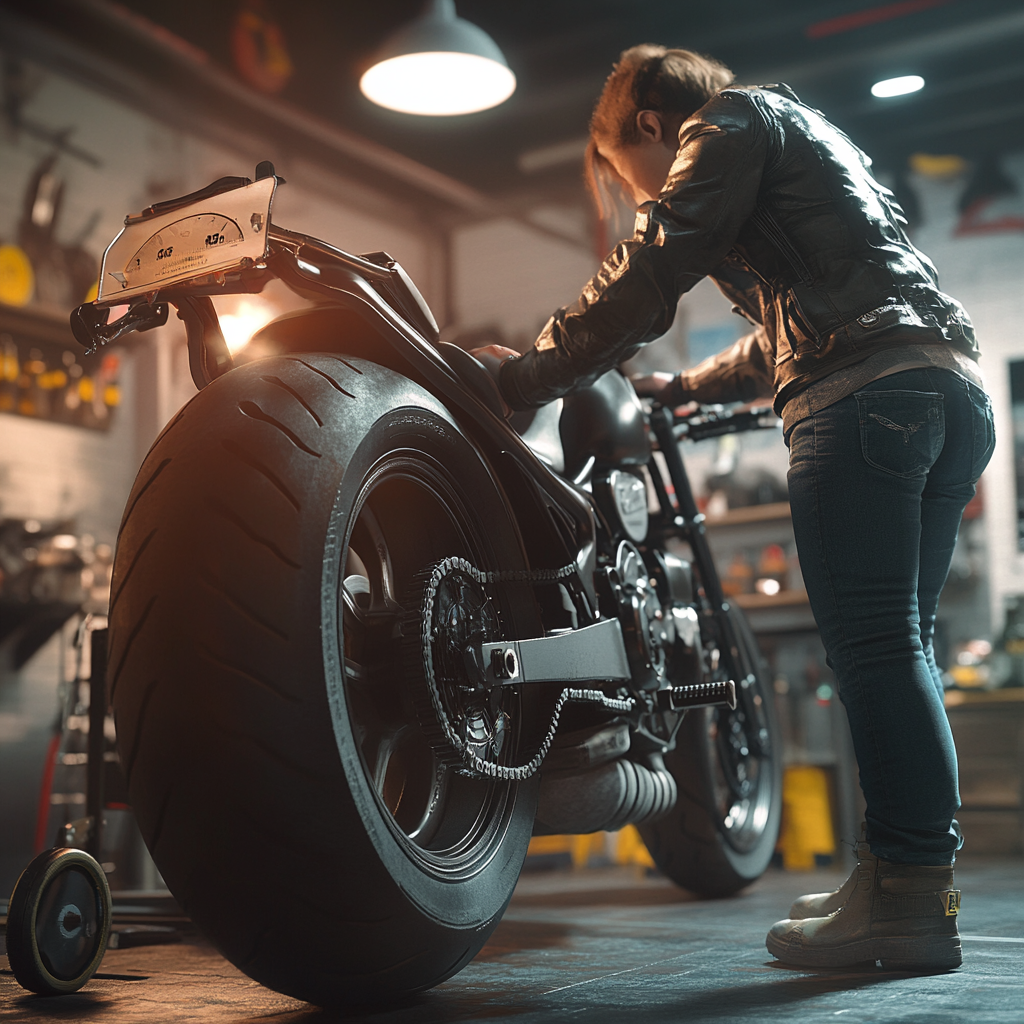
(509, 276)
(49, 470)
(986, 273)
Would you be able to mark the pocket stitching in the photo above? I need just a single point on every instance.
(934, 406)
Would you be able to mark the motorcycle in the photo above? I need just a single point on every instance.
(367, 636)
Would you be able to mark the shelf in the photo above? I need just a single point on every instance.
(751, 514)
(783, 599)
(1010, 694)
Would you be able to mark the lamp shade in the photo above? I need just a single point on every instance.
(439, 64)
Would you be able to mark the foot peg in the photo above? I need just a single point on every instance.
(699, 695)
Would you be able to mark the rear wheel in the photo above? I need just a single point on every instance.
(281, 763)
(728, 767)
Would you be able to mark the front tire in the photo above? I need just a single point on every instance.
(279, 771)
(721, 834)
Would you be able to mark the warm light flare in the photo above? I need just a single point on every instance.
(437, 84)
(240, 325)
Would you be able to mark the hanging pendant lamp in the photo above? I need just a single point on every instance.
(438, 65)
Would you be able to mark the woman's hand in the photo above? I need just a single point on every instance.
(651, 385)
(492, 356)
(657, 385)
(496, 354)
(663, 388)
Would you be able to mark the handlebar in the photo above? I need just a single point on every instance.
(717, 420)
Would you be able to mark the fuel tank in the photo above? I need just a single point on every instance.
(604, 421)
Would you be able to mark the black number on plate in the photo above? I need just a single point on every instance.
(214, 239)
(162, 254)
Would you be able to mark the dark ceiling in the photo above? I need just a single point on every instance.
(969, 52)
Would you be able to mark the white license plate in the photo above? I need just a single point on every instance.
(207, 237)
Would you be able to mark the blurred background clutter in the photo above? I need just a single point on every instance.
(107, 107)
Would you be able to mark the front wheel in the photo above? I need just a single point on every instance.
(281, 765)
(728, 768)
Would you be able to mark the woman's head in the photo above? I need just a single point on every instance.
(648, 95)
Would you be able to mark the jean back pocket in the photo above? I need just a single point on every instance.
(901, 432)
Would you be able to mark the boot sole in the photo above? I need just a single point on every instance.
(897, 953)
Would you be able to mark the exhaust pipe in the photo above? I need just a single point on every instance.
(604, 798)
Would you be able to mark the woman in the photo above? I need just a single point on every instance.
(873, 371)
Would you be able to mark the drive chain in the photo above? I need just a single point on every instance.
(468, 758)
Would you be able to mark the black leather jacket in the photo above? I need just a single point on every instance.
(779, 207)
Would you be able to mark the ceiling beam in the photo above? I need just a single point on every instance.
(249, 123)
(966, 36)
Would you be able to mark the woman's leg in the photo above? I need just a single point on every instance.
(950, 486)
(858, 478)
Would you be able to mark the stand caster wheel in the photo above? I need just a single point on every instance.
(58, 922)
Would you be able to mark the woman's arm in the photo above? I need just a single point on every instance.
(710, 192)
(740, 373)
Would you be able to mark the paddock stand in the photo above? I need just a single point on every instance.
(60, 918)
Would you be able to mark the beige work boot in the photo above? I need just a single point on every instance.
(821, 904)
(902, 914)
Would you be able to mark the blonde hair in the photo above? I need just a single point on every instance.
(674, 83)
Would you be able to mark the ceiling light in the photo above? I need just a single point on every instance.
(897, 86)
(439, 64)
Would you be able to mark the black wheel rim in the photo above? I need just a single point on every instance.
(409, 514)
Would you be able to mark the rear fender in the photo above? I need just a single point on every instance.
(556, 523)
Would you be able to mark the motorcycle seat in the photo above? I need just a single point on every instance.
(539, 428)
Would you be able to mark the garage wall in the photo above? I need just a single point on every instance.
(512, 277)
(986, 273)
(50, 470)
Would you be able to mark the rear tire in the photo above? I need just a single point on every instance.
(279, 773)
(721, 834)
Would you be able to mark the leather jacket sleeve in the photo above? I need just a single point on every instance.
(740, 373)
(710, 193)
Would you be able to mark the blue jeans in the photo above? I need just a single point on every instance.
(878, 483)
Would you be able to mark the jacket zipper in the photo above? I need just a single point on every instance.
(767, 223)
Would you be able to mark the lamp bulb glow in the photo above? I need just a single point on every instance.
(243, 322)
(897, 86)
(437, 84)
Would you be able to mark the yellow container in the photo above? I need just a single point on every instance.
(622, 847)
(806, 817)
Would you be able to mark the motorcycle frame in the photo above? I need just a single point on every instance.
(374, 301)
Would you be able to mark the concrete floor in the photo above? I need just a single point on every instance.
(604, 945)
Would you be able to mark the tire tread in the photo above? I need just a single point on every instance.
(254, 412)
